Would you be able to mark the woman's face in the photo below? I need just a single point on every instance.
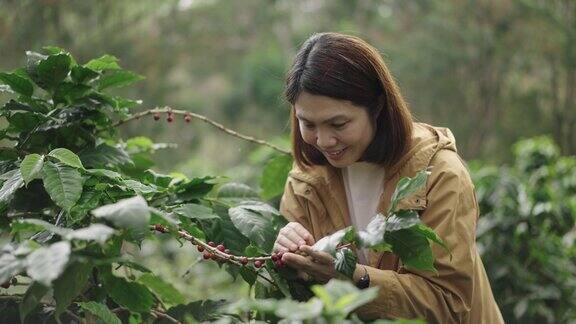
(339, 129)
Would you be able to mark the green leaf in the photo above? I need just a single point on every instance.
(233, 193)
(195, 211)
(10, 186)
(345, 262)
(412, 248)
(259, 207)
(101, 311)
(105, 155)
(81, 74)
(63, 184)
(274, 176)
(193, 230)
(31, 166)
(201, 311)
(163, 290)
(118, 79)
(255, 226)
(298, 311)
(131, 213)
(329, 243)
(105, 173)
(37, 225)
(406, 187)
(95, 232)
(134, 296)
(402, 219)
(432, 236)
(139, 188)
(67, 157)
(17, 83)
(106, 62)
(53, 70)
(342, 297)
(251, 251)
(47, 263)
(31, 299)
(10, 266)
(70, 284)
(25, 121)
(68, 92)
(373, 237)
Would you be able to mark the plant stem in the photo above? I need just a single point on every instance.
(221, 255)
(204, 119)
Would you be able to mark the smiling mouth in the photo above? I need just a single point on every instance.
(335, 154)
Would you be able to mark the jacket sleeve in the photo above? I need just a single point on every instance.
(452, 212)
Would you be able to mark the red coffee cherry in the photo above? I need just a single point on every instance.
(221, 247)
(170, 118)
(258, 264)
(200, 248)
(212, 244)
(187, 118)
(274, 257)
(244, 260)
(207, 255)
(156, 116)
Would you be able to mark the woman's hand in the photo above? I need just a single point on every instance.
(317, 265)
(291, 237)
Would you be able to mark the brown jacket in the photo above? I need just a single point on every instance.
(460, 292)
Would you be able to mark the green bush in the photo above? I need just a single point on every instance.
(527, 231)
(75, 198)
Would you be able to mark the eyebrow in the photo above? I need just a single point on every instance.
(326, 121)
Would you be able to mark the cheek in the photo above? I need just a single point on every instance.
(308, 136)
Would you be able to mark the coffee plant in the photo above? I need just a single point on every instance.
(529, 213)
(74, 197)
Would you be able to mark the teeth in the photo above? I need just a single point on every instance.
(335, 153)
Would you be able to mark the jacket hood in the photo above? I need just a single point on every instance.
(426, 141)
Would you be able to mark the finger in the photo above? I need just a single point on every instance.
(298, 262)
(294, 236)
(321, 257)
(278, 248)
(303, 232)
(303, 275)
(283, 241)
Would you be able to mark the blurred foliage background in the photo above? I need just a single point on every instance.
(494, 71)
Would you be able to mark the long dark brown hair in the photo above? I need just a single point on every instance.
(347, 68)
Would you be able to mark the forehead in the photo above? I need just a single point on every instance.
(318, 108)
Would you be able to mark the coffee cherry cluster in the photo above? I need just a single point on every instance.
(277, 259)
(170, 116)
(219, 252)
(9, 283)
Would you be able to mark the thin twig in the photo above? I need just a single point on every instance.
(74, 316)
(221, 255)
(166, 316)
(205, 119)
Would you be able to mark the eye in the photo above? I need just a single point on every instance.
(308, 125)
(339, 125)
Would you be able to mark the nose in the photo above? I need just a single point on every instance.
(325, 139)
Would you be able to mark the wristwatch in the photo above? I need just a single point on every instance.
(364, 281)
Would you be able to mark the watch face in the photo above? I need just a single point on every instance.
(364, 281)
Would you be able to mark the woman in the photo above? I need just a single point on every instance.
(353, 139)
